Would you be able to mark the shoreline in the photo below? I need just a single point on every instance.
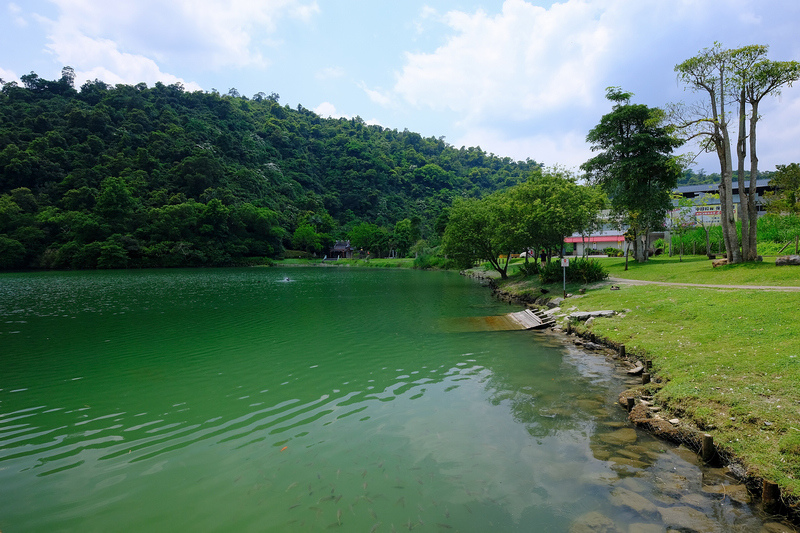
(642, 413)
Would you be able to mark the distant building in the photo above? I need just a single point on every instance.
(341, 250)
(609, 237)
(696, 192)
(596, 241)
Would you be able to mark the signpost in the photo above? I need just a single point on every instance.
(564, 265)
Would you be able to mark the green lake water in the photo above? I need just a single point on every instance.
(345, 399)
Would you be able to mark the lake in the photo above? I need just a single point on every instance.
(308, 399)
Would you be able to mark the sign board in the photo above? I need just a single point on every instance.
(565, 262)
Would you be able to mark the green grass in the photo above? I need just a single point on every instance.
(697, 269)
(728, 359)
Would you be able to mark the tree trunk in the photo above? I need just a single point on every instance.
(741, 154)
(723, 145)
(752, 191)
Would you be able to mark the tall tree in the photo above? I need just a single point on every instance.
(710, 71)
(743, 77)
(763, 78)
(635, 167)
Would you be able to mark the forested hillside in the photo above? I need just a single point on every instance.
(129, 176)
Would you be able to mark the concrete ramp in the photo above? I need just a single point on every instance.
(527, 319)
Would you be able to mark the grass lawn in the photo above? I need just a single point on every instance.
(698, 269)
(729, 359)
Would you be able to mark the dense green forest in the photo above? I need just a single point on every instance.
(128, 176)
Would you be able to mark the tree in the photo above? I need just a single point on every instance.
(305, 238)
(635, 167)
(742, 76)
(762, 78)
(785, 198)
(552, 206)
(709, 71)
(483, 229)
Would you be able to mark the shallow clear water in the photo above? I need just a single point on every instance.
(235, 400)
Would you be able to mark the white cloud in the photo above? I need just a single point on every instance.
(328, 110)
(15, 12)
(8, 76)
(135, 40)
(566, 149)
(107, 63)
(530, 80)
(377, 96)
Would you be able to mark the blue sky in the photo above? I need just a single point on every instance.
(524, 79)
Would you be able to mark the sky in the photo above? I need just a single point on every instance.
(523, 79)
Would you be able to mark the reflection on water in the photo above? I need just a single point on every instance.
(233, 400)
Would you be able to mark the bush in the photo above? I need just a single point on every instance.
(296, 254)
(578, 271)
(529, 268)
(423, 261)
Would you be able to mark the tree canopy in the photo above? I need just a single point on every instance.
(537, 214)
(732, 78)
(634, 166)
(125, 175)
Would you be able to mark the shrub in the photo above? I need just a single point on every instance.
(529, 268)
(579, 271)
(296, 254)
(423, 261)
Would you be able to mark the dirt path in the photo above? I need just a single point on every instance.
(621, 281)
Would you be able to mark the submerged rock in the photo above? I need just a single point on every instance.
(737, 493)
(594, 522)
(687, 518)
(631, 500)
(645, 528)
(619, 437)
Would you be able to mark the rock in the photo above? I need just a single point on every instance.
(737, 493)
(645, 528)
(688, 519)
(593, 522)
(674, 421)
(589, 321)
(777, 527)
(636, 502)
(555, 302)
(586, 315)
(787, 260)
(636, 370)
(696, 500)
(639, 414)
(631, 464)
(619, 437)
